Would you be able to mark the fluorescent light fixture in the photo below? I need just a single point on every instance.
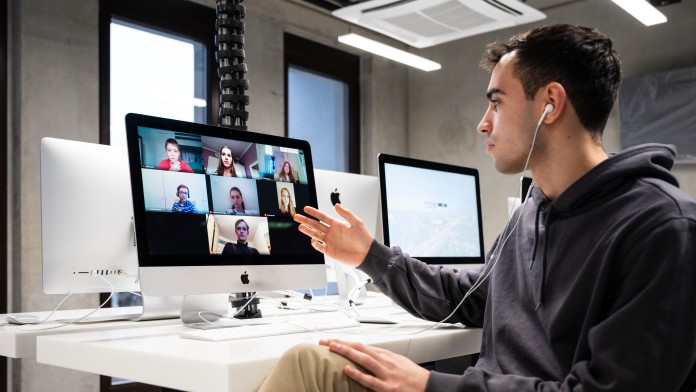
(643, 11)
(387, 51)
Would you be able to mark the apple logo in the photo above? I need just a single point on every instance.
(245, 278)
(335, 197)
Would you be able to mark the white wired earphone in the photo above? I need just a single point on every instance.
(495, 255)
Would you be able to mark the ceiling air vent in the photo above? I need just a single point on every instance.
(423, 23)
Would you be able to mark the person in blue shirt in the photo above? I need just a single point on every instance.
(183, 205)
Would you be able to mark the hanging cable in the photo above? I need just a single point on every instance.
(232, 68)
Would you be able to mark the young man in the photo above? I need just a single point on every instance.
(592, 283)
(241, 229)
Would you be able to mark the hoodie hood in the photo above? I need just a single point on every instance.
(645, 161)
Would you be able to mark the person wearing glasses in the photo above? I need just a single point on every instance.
(184, 204)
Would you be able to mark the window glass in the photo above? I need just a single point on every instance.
(154, 73)
(318, 113)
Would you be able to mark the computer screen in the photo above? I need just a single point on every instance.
(431, 210)
(214, 209)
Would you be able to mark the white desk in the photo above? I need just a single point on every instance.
(157, 355)
(19, 341)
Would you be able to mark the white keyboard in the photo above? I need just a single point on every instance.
(284, 327)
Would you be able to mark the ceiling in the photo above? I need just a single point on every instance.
(332, 5)
(425, 23)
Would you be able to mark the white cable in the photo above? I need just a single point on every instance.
(63, 324)
(200, 314)
(499, 247)
(354, 292)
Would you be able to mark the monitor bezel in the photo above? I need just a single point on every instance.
(385, 159)
(146, 259)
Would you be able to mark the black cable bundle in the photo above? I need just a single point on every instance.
(231, 66)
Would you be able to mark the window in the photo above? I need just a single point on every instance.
(156, 57)
(140, 83)
(323, 102)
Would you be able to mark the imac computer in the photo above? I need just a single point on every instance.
(360, 194)
(432, 211)
(206, 232)
(87, 231)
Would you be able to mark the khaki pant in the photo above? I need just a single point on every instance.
(310, 368)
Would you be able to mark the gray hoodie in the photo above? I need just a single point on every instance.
(594, 291)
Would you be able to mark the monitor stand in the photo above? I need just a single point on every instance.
(251, 310)
(207, 311)
(203, 311)
(159, 308)
(153, 308)
(349, 283)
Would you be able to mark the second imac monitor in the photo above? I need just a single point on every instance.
(358, 193)
(87, 232)
(432, 210)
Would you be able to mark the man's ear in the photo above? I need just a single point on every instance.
(555, 94)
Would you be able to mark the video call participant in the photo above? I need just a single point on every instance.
(226, 163)
(285, 204)
(237, 202)
(172, 163)
(183, 205)
(241, 228)
(285, 174)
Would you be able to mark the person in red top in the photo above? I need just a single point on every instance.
(173, 163)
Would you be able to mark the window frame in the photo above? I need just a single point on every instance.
(336, 64)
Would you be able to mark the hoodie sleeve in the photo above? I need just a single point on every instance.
(426, 291)
(646, 342)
